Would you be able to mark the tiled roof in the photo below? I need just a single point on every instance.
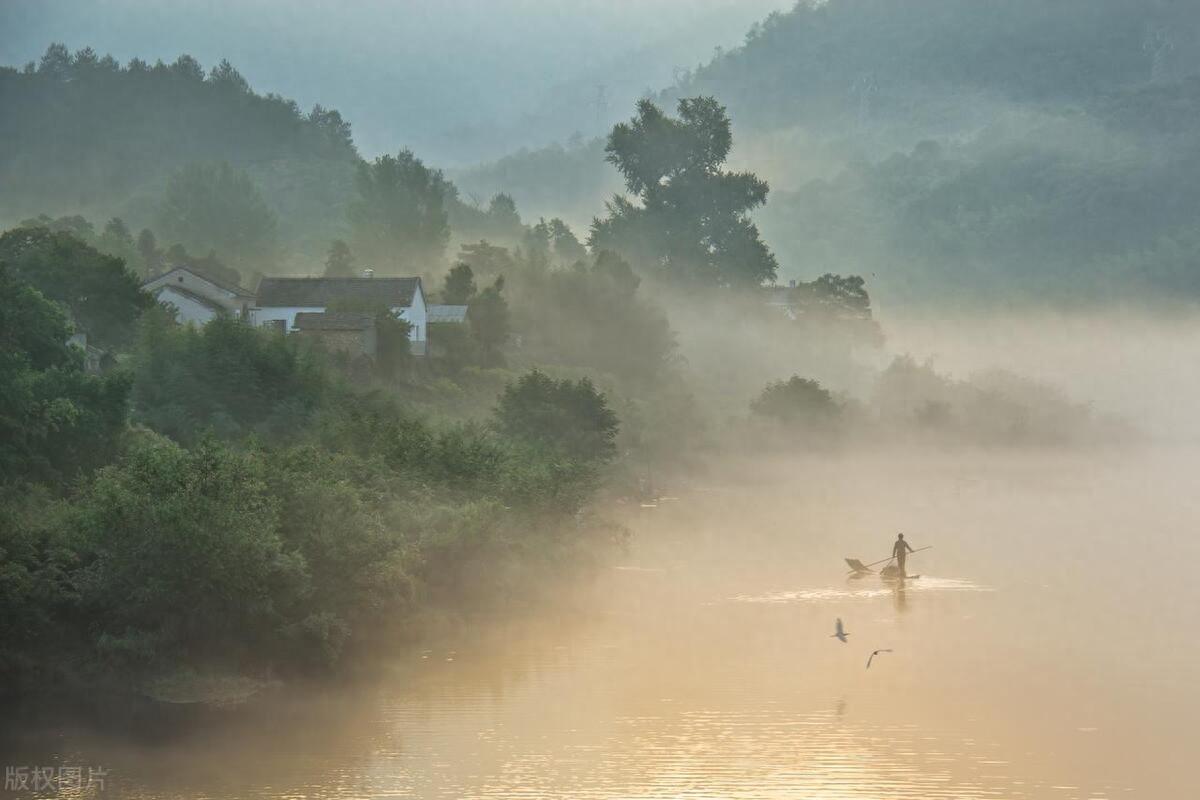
(443, 313)
(207, 302)
(204, 276)
(336, 321)
(320, 292)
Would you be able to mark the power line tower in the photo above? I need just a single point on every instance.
(601, 103)
(1159, 44)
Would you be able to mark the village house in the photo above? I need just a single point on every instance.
(199, 298)
(350, 332)
(281, 300)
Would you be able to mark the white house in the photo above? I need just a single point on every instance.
(281, 299)
(198, 298)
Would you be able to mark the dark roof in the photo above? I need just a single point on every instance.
(319, 292)
(207, 302)
(445, 313)
(229, 287)
(337, 321)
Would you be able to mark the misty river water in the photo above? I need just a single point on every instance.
(1047, 651)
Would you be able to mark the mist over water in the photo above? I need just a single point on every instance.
(576, 553)
(1042, 654)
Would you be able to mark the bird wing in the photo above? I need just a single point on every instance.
(840, 630)
(869, 660)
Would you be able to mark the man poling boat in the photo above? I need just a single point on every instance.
(900, 551)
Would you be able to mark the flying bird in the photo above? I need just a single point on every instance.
(839, 632)
(877, 652)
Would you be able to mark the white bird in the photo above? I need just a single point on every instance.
(839, 632)
(877, 652)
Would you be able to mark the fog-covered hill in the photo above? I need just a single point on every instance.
(1042, 150)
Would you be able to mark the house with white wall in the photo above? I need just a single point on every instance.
(279, 300)
(199, 298)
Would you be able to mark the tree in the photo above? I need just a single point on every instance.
(75, 225)
(797, 401)
(54, 419)
(486, 260)
(226, 377)
(399, 220)
(502, 210)
(459, 287)
(116, 240)
(216, 207)
(103, 298)
(552, 241)
(188, 559)
(567, 247)
(836, 304)
(692, 223)
(589, 314)
(487, 314)
(570, 418)
(340, 261)
(151, 256)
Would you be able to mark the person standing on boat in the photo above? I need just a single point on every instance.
(900, 551)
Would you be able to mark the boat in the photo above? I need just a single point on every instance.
(892, 572)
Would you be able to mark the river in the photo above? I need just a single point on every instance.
(1047, 651)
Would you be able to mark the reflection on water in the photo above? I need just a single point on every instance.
(923, 584)
(1057, 663)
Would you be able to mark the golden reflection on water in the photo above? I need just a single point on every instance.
(1047, 654)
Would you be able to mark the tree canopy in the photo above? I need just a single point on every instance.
(103, 298)
(571, 418)
(692, 224)
(399, 219)
(216, 207)
(54, 418)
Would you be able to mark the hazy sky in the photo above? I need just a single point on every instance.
(457, 80)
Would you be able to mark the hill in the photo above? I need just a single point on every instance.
(951, 147)
(85, 135)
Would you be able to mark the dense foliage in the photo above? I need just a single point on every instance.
(797, 401)
(692, 224)
(244, 508)
(54, 418)
(569, 418)
(102, 297)
(84, 134)
(399, 220)
(215, 207)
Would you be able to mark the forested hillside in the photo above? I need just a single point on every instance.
(84, 135)
(1039, 151)
(205, 163)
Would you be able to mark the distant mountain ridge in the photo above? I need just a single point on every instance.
(1043, 150)
(83, 134)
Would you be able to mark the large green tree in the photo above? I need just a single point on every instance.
(459, 287)
(691, 220)
(54, 418)
(216, 207)
(570, 418)
(399, 220)
(102, 296)
(487, 314)
(339, 263)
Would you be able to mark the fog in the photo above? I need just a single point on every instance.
(486, 399)
(459, 81)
